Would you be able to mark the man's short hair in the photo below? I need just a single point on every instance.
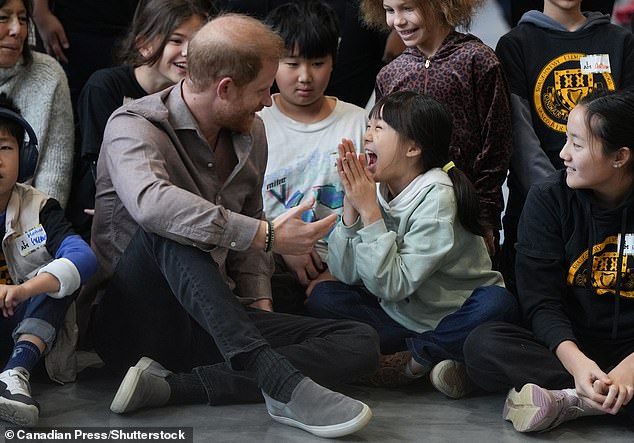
(231, 45)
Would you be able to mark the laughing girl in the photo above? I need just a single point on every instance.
(411, 261)
(461, 72)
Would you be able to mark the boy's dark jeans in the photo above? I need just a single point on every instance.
(40, 315)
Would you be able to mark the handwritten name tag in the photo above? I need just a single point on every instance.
(628, 247)
(595, 63)
(31, 240)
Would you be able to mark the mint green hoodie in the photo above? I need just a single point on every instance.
(418, 259)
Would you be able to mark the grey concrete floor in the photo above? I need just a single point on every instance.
(413, 414)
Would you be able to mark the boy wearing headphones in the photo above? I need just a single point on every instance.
(43, 263)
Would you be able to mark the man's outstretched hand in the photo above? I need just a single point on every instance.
(293, 236)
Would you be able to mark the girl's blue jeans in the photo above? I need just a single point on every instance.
(338, 300)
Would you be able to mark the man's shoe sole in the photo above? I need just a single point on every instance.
(331, 431)
(128, 386)
(527, 408)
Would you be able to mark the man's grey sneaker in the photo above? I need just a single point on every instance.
(16, 404)
(450, 378)
(144, 386)
(319, 411)
(537, 409)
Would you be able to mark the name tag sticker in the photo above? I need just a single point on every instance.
(595, 63)
(628, 247)
(31, 240)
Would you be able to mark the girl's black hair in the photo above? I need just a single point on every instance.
(158, 19)
(428, 123)
(26, 48)
(310, 27)
(610, 118)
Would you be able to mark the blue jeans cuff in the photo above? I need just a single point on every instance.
(38, 327)
(416, 356)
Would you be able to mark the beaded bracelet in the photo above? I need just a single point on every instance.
(269, 236)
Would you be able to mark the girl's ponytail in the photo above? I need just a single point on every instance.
(467, 203)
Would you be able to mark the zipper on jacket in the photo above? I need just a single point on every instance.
(427, 63)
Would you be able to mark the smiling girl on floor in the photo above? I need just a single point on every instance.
(575, 281)
(411, 260)
(153, 56)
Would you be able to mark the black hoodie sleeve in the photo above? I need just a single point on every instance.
(529, 162)
(541, 267)
(510, 51)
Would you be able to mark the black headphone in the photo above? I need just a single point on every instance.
(28, 150)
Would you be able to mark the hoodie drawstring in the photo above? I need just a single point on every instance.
(619, 264)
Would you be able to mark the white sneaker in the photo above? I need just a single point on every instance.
(534, 408)
(16, 404)
(450, 378)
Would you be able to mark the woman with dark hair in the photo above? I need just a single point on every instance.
(411, 260)
(38, 86)
(575, 281)
(153, 56)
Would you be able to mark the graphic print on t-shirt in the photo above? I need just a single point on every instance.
(326, 195)
(605, 258)
(562, 83)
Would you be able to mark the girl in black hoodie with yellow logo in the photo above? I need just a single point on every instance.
(575, 281)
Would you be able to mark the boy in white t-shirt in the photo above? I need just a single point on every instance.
(303, 130)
